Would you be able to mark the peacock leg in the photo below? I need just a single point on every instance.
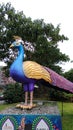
(26, 98)
(31, 98)
(25, 86)
(31, 90)
(25, 105)
(31, 105)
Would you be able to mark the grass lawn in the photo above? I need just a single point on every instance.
(4, 106)
(67, 118)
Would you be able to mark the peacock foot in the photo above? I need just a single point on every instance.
(18, 105)
(30, 106)
(26, 106)
(22, 106)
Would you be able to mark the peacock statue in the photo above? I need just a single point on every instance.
(29, 73)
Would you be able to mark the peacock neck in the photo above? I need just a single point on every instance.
(21, 53)
(16, 69)
(18, 61)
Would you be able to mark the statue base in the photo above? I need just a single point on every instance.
(45, 116)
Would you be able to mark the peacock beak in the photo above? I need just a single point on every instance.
(11, 46)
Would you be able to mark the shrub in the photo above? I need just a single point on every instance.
(13, 93)
(60, 95)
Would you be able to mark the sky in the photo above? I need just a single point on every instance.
(2, 64)
(52, 11)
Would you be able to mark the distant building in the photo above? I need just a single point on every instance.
(5, 80)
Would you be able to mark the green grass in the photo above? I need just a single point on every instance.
(4, 106)
(67, 117)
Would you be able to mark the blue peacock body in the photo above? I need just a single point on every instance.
(16, 69)
(29, 72)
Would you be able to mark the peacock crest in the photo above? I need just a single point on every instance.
(16, 37)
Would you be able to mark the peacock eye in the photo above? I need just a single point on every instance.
(17, 43)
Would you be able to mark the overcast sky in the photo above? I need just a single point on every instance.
(52, 11)
(2, 64)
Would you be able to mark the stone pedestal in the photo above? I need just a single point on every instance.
(45, 116)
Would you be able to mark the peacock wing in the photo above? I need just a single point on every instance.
(36, 71)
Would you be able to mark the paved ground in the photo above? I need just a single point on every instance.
(1, 101)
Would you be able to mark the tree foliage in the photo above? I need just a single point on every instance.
(13, 93)
(69, 75)
(44, 37)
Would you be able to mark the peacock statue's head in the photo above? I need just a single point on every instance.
(18, 42)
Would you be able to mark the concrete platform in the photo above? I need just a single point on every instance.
(45, 116)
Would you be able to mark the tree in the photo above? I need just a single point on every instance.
(43, 37)
(69, 75)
